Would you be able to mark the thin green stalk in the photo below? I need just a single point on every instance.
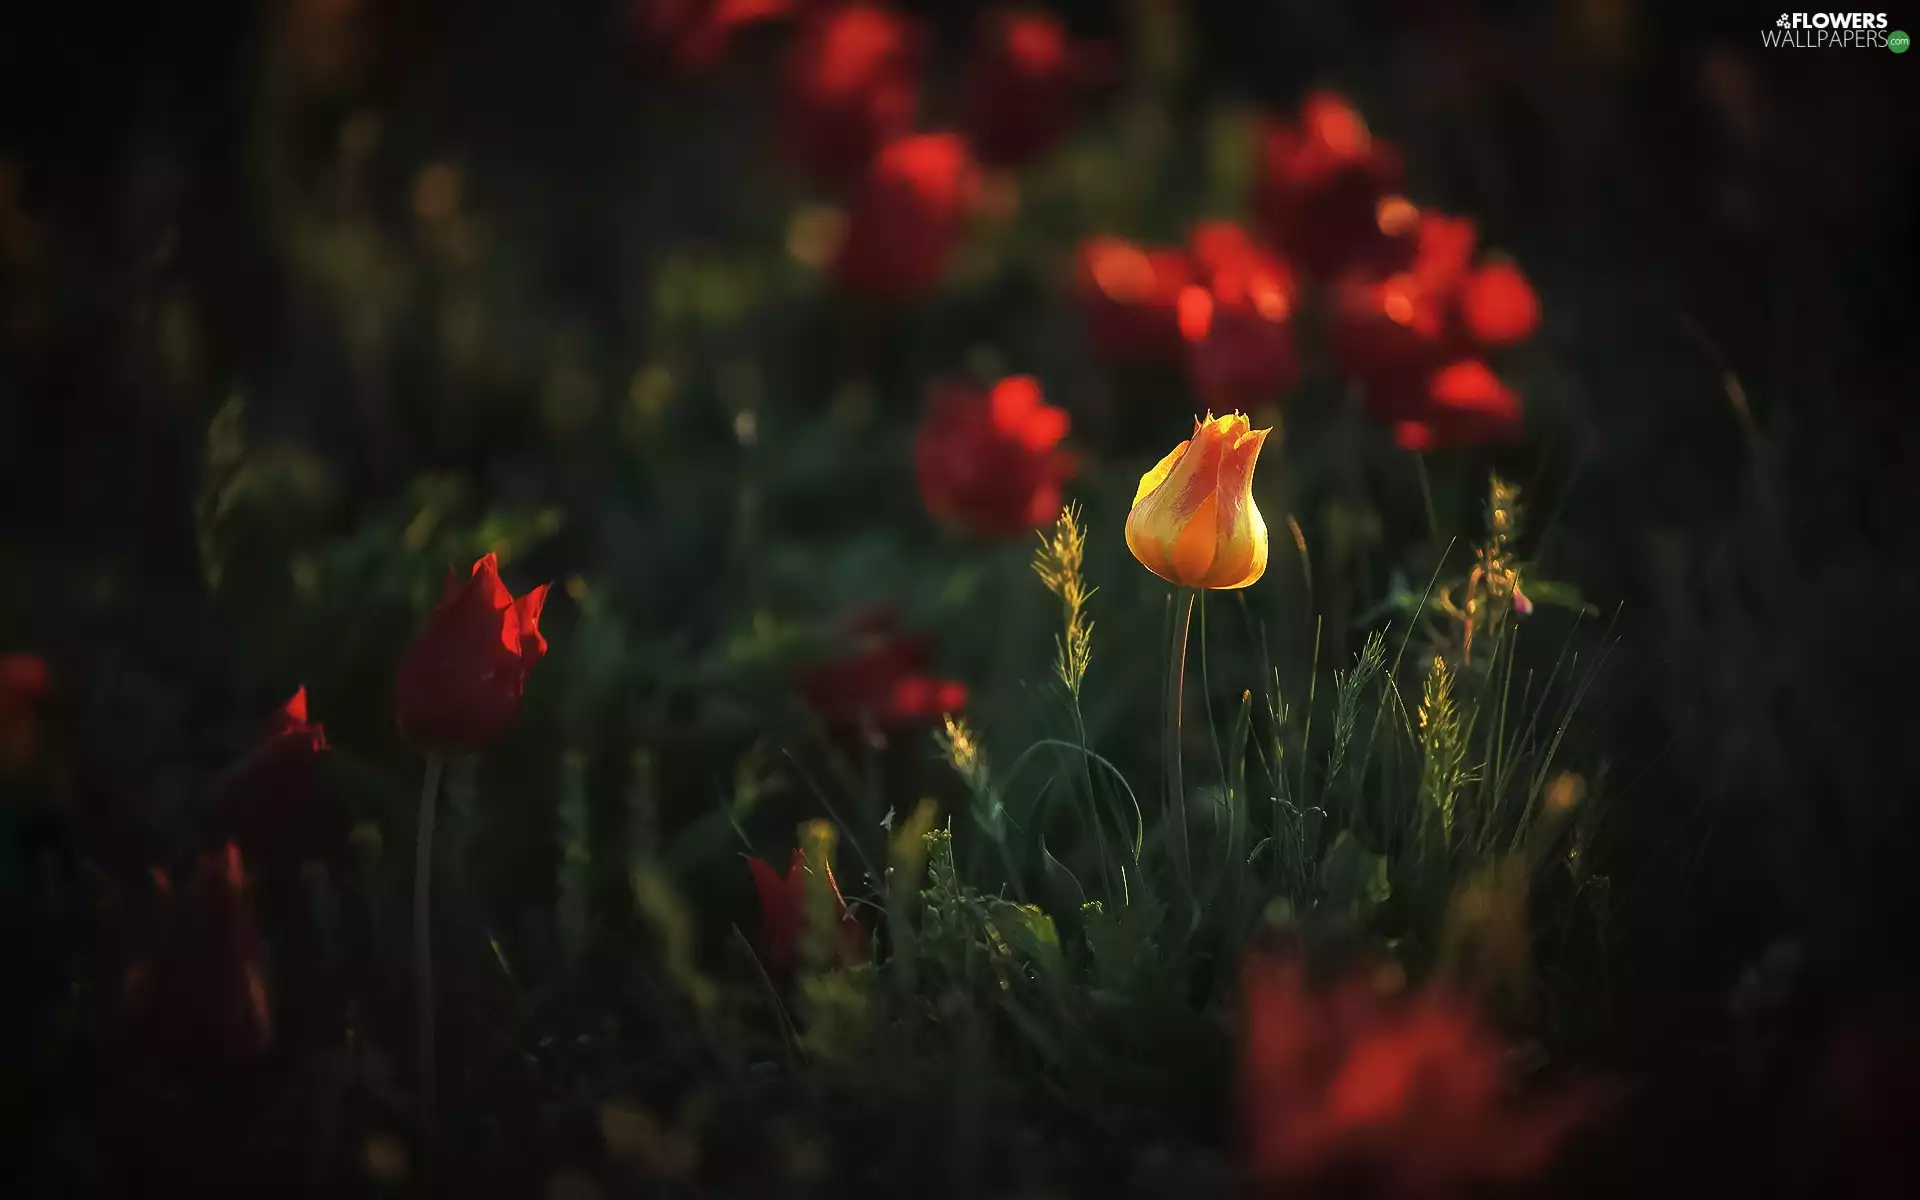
(1206, 694)
(1183, 601)
(1306, 734)
(1105, 764)
(1093, 798)
(1426, 495)
(423, 963)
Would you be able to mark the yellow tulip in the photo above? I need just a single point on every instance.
(1194, 522)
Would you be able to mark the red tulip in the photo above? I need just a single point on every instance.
(1406, 319)
(269, 806)
(697, 33)
(1414, 337)
(885, 681)
(1022, 84)
(990, 463)
(24, 679)
(1409, 1089)
(853, 83)
(1238, 320)
(783, 912)
(203, 994)
(459, 685)
(1461, 404)
(910, 213)
(1321, 183)
(1129, 298)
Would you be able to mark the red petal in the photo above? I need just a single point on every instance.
(1012, 401)
(233, 871)
(1413, 435)
(1499, 305)
(1195, 313)
(533, 645)
(912, 696)
(1045, 427)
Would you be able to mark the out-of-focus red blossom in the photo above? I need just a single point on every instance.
(1414, 336)
(1320, 183)
(1238, 319)
(1022, 84)
(697, 33)
(1499, 306)
(1130, 298)
(459, 685)
(990, 463)
(1407, 318)
(24, 680)
(884, 681)
(853, 85)
(910, 212)
(269, 806)
(783, 912)
(1461, 404)
(202, 994)
(1406, 1089)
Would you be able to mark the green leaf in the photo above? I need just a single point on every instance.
(1558, 595)
(1354, 879)
(1121, 941)
(1030, 933)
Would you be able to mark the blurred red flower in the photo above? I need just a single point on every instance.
(783, 912)
(202, 994)
(1022, 84)
(1414, 336)
(268, 803)
(1238, 319)
(1129, 298)
(459, 685)
(884, 681)
(1461, 404)
(909, 214)
(24, 680)
(1408, 1089)
(1320, 185)
(697, 33)
(853, 84)
(1406, 319)
(1498, 306)
(990, 463)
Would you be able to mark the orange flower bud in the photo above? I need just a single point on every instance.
(1194, 522)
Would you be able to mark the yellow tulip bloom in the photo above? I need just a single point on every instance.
(1194, 522)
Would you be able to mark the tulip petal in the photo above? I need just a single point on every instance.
(1194, 550)
(533, 646)
(1158, 475)
(1241, 531)
(1157, 522)
(1255, 541)
(1194, 522)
